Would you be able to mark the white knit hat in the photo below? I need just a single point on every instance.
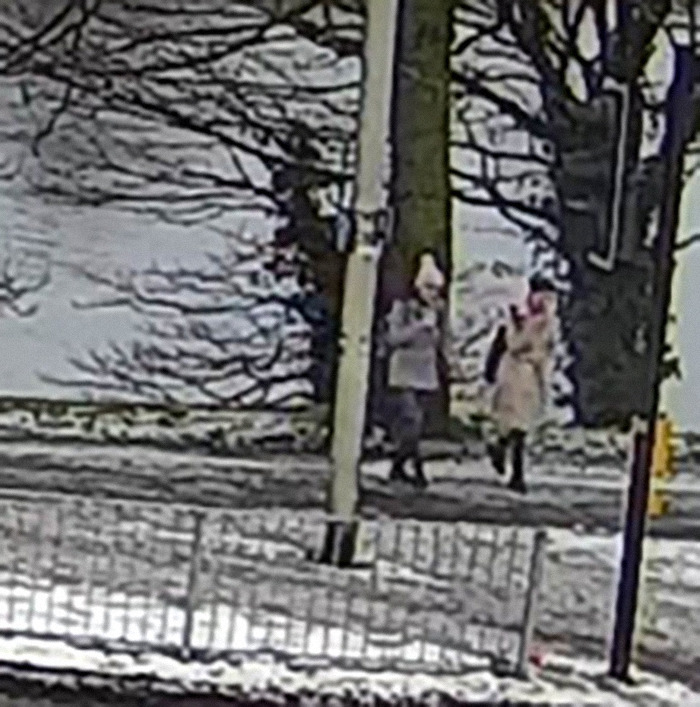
(429, 273)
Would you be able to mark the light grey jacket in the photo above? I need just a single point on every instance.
(414, 341)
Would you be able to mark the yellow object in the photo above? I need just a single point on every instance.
(658, 504)
(663, 459)
(662, 467)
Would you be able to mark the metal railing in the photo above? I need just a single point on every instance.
(218, 583)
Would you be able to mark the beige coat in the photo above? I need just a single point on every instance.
(519, 395)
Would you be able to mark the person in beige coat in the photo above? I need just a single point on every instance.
(522, 378)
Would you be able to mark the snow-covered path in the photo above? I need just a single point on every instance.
(467, 490)
(558, 681)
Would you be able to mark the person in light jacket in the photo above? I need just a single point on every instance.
(522, 378)
(415, 339)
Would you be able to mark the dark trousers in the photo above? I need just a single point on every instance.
(515, 443)
(407, 420)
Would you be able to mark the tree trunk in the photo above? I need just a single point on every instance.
(607, 316)
(420, 188)
(606, 313)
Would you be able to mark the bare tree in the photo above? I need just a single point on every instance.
(227, 332)
(20, 280)
(184, 110)
(189, 113)
(178, 109)
(539, 99)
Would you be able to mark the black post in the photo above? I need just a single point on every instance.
(339, 544)
(678, 111)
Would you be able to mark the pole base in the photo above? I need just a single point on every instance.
(339, 544)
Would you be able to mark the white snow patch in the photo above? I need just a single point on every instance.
(559, 681)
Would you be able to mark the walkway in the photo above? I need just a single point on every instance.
(469, 490)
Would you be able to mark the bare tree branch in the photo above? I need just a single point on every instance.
(19, 281)
(180, 110)
(227, 332)
(688, 242)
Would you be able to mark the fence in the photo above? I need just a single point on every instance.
(217, 583)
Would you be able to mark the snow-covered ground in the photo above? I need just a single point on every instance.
(428, 593)
(559, 495)
(557, 681)
(121, 574)
(579, 589)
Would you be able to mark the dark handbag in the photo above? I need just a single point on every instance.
(493, 359)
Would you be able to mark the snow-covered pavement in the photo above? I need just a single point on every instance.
(559, 496)
(131, 586)
(557, 681)
(579, 580)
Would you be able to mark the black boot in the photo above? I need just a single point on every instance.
(497, 455)
(420, 480)
(517, 484)
(517, 481)
(398, 473)
(338, 545)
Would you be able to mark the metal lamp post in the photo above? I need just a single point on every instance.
(638, 493)
(371, 226)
